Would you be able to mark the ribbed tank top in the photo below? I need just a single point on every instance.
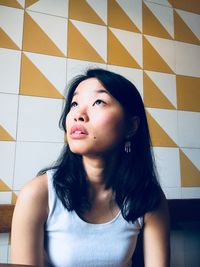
(72, 242)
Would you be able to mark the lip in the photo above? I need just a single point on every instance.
(78, 132)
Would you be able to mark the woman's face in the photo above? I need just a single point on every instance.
(96, 122)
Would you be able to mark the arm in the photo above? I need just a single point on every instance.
(156, 237)
(27, 235)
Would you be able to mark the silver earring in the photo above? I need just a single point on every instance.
(127, 146)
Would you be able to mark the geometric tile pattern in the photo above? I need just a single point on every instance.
(127, 45)
(42, 75)
(11, 33)
(45, 34)
(186, 27)
(190, 172)
(85, 44)
(163, 127)
(159, 90)
(188, 93)
(158, 20)
(125, 15)
(155, 44)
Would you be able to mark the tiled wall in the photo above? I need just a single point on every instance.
(43, 44)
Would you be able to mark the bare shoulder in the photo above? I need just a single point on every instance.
(34, 197)
(161, 213)
(156, 236)
(36, 189)
(30, 214)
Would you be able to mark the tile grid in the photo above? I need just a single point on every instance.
(155, 44)
(163, 59)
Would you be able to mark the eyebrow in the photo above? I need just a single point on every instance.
(101, 91)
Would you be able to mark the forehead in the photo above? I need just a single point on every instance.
(91, 85)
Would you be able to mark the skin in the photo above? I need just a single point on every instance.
(100, 114)
(104, 121)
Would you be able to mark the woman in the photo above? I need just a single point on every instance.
(88, 209)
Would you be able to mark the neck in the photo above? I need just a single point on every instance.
(98, 169)
(94, 168)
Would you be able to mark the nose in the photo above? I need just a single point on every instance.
(81, 115)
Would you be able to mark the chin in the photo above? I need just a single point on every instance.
(78, 150)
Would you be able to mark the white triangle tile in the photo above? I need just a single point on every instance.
(192, 20)
(98, 41)
(189, 129)
(41, 154)
(53, 68)
(166, 83)
(11, 21)
(164, 15)
(7, 159)
(21, 2)
(43, 125)
(187, 59)
(8, 58)
(165, 48)
(5, 197)
(190, 192)
(193, 155)
(54, 27)
(167, 119)
(57, 8)
(168, 166)
(133, 9)
(133, 75)
(131, 41)
(76, 67)
(172, 192)
(160, 2)
(8, 113)
(100, 7)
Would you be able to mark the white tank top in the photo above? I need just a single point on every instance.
(72, 242)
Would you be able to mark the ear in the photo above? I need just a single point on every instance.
(133, 126)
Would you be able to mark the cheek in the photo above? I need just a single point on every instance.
(114, 126)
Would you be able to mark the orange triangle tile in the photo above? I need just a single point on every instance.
(30, 2)
(6, 41)
(151, 25)
(182, 32)
(79, 47)
(191, 6)
(152, 60)
(117, 53)
(9, 3)
(158, 136)
(4, 187)
(4, 135)
(14, 198)
(81, 10)
(34, 83)
(117, 18)
(153, 97)
(190, 175)
(36, 40)
(188, 93)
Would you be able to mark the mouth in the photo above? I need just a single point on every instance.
(78, 131)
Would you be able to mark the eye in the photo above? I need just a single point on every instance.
(99, 102)
(73, 104)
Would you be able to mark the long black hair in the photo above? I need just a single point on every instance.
(133, 180)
